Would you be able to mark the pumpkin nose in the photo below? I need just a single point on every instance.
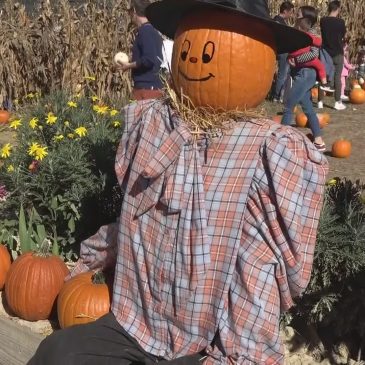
(193, 60)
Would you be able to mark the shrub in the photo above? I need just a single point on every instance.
(61, 166)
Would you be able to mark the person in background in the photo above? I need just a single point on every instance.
(167, 47)
(146, 56)
(360, 68)
(305, 25)
(286, 12)
(347, 67)
(304, 78)
(333, 31)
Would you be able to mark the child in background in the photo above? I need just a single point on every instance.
(305, 25)
(360, 69)
(347, 67)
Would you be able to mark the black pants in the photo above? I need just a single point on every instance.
(103, 342)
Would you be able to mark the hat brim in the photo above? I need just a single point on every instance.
(166, 16)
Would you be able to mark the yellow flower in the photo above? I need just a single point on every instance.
(58, 137)
(30, 96)
(77, 96)
(41, 153)
(116, 124)
(113, 112)
(51, 118)
(33, 123)
(16, 101)
(10, 168)
(91, 78)
(15, 123)
(81, 131)
(100, 109)
(72, 104)
(94, 98)
(33, 148)
(66, 123)
(6, 150)
(71, 136)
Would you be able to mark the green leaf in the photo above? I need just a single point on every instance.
(41, 233)
(25, 243)
(71, 224)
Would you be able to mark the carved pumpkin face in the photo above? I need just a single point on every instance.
(223, 60)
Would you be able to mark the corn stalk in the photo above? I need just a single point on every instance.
(63, 47)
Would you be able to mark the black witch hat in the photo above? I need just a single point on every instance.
(166, 15)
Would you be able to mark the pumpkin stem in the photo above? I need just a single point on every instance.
(98, 278)
(44, 248)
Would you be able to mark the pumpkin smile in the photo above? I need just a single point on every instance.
(206, 78)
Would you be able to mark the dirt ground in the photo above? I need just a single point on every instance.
(348, 124)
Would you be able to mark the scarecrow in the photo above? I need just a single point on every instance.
(218, 222)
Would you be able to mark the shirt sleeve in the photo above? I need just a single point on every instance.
(147, 40)
(99, 251)
(282, 216)
(312, 54)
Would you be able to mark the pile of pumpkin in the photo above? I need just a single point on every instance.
(35, 284)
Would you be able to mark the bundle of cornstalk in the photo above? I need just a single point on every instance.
(352, 11)
(63, 47)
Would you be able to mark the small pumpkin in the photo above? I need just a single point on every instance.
(357, 95)
(33, 283)
(215, 60)
(341, 148)
(5, 263)
(83, 299)
(4, 116)
(314, 93)
(324, 119)
(301, 120)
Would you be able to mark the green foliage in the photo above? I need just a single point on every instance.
(61, 167)
(335, 297)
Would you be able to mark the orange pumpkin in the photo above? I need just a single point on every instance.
(357, 95)
(341, 148)
(301, 120)
(323, 119)
(4, 116)
(5, 263)
(314, 93)
(83, 299)
(215, 60)
(33, 283)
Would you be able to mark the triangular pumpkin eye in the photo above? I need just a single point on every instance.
(185, 50)
(208, 52)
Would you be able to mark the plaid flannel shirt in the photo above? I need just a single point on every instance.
(212, 236)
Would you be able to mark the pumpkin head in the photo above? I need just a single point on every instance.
(357, 95)
(4, 264)
(223, 62)
(341, 148)
(83, 299)
(32, 285)
(4, 116)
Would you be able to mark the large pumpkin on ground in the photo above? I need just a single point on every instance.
(4, 116)
(83, 299)
(5, 263)
(357, 95)
(341, 148)
(33, 283)
(222, 61)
